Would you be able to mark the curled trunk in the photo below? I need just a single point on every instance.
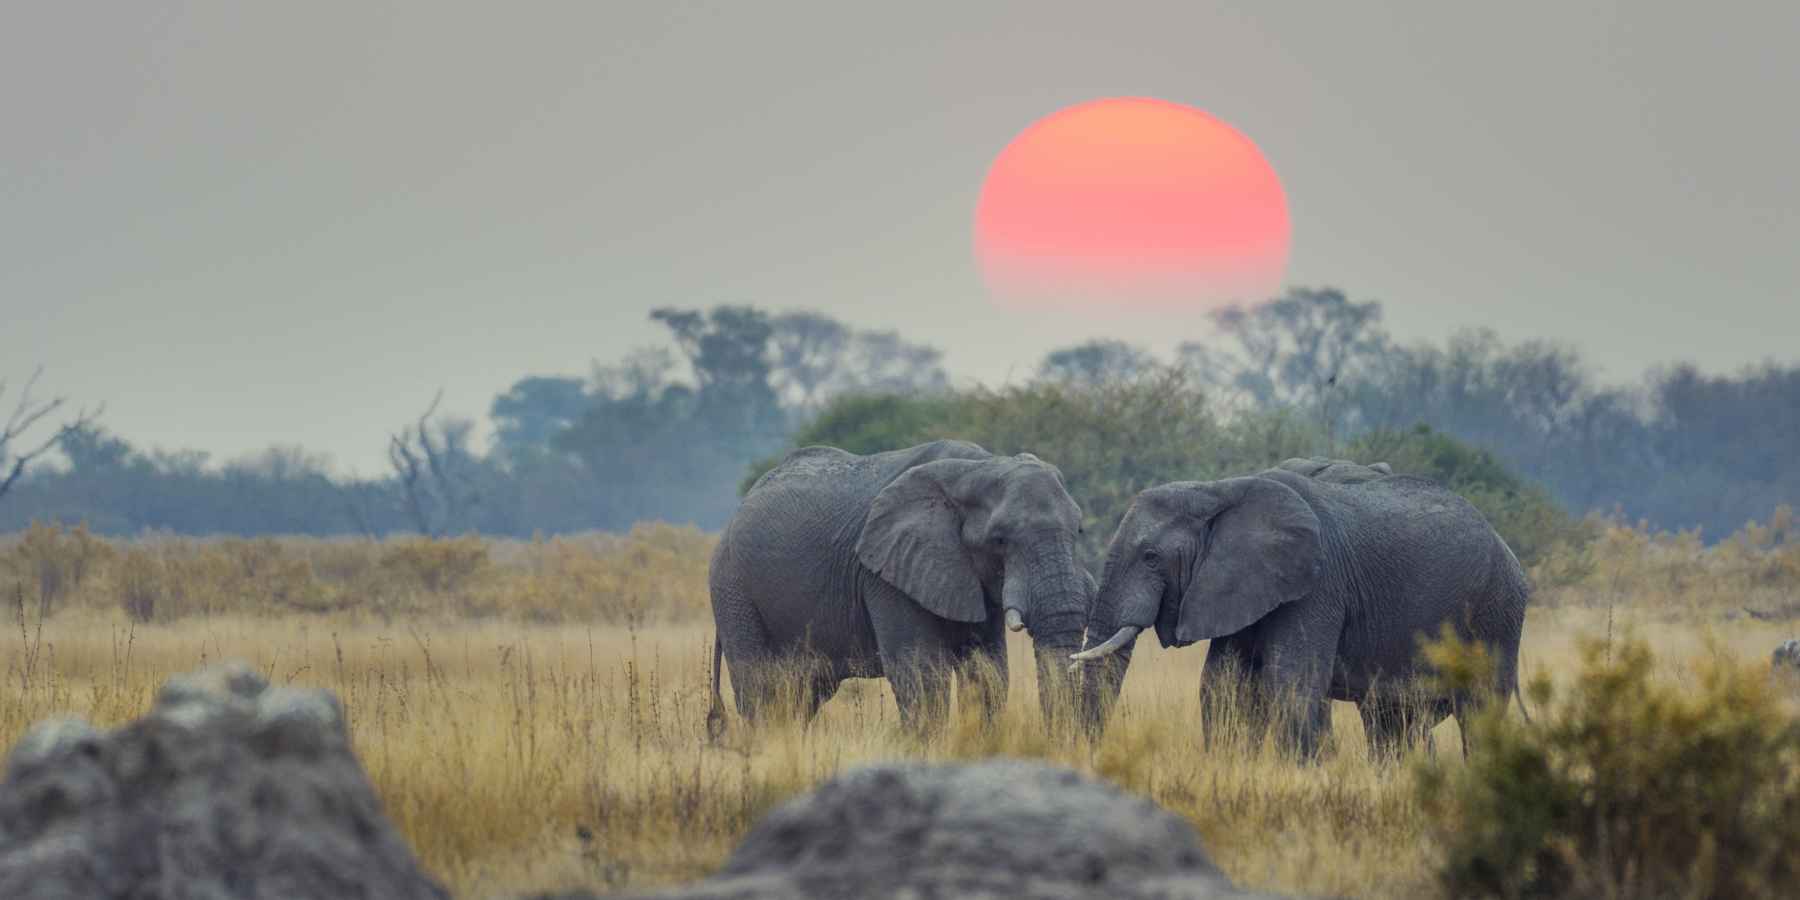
(1112, 630)
(1053, 591)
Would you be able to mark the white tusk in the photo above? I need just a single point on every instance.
(1014, 621)
(1125, 636)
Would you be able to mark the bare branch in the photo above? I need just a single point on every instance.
(406, 467)
(427, 461)
(25, 415)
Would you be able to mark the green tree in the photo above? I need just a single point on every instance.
(533, 410)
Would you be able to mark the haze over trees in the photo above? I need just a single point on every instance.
(670, 432)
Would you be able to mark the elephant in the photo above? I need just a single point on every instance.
(1311, 588)
(906, 564)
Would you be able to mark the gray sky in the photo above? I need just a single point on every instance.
(246, 224)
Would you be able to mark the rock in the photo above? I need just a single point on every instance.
(228, 788)
(1787, 657)
(994, 829)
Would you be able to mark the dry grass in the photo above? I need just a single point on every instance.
(654, 574)
(498, 736)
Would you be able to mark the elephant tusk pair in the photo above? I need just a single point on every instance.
(1014, 621)
(1124, 636)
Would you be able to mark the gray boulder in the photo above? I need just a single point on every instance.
(228, 788)
(994, 829)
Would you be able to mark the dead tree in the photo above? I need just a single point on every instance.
(433, 465)
(26, 414)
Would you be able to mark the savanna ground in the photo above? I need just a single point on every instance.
(533, 713)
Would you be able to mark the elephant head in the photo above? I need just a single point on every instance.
(971, 538)
(1195, 560)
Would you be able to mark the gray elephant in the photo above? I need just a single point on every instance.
(902, 564)
(1311, 588)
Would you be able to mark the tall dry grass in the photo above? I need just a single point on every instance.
(654, 574)
(559, 739)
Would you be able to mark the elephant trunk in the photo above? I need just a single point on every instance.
(1052, 590)
(1119, 616)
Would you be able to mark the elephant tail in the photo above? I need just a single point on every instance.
(715, 715)
(1518, 695)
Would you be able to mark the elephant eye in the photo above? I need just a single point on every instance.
(998, 540)
(1150, 555)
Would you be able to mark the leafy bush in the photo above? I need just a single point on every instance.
(1626, 786)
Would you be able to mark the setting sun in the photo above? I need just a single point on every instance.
(1131, 202)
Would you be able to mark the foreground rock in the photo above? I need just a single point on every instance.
(227, 789)
(1001, 828)
(1787, 657)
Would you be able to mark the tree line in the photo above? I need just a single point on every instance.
(670, 432)
(663, 433)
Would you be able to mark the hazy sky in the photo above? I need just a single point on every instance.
(242, 224)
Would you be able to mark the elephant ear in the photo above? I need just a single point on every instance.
(1263, 550)
(912, 538)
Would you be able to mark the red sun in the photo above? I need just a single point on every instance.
(1131, 202)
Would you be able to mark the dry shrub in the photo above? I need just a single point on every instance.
(141, 585)
(657, 574)
(436, 565)
(50, 562)
(1676, 576)
(166, 579)
(1627, 786)
(654, 574)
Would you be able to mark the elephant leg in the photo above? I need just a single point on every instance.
(1505, 684)
(1394, 726)
(1227, 697)
(917, 654)
(824, 686)
(1299, 645)
(1464, 710)
(982, 679)
(748, 650)
(921, 684)
(1305, 720)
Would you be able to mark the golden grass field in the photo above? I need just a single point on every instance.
(535, 718)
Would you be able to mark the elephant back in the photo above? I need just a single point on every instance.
(1432, 534)
(893, 463)
(807, 463)
(821, 465)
